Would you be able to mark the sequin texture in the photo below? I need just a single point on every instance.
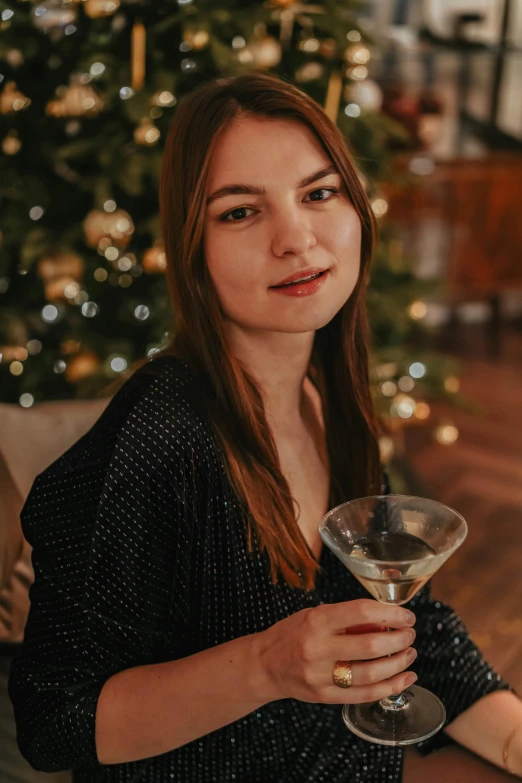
(140, 556)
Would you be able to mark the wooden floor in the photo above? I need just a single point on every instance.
(481, 477)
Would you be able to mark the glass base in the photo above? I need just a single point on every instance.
(422, 715)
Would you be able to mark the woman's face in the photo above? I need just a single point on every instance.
(255, 241)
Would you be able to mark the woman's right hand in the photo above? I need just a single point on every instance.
(297, 655)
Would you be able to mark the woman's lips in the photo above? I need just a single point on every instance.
(302, 289)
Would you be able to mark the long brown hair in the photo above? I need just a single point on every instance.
(339, 362)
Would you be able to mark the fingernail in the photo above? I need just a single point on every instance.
(410, 679)
(411, 635)
(411, 655)
(409, 617)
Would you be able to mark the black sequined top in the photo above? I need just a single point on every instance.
(140, 556)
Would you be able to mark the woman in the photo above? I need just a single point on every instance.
(185, 619)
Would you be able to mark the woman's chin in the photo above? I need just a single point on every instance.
(307, 322)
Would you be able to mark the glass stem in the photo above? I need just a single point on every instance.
(395, 702)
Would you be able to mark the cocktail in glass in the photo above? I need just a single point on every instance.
(393, 544)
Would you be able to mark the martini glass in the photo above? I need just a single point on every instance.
(393, 544)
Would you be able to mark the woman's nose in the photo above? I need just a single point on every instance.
(292, 235)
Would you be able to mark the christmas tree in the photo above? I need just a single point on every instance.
(87, 93)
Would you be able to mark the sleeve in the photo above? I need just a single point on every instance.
(108, 546)
(448, 662)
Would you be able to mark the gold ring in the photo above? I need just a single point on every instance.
(342, 674)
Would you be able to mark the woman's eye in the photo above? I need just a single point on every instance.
(225, 218)
(324, 190)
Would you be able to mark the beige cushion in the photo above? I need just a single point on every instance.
(32, 438)
(11, 539)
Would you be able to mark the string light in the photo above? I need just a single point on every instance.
(403, 406)
(379, 207)
(59, 366)
(111, 253)
(117, 363)
(417, 310)
(359, 72)
(35, 213)
(406, 383)
(389, 389)
(309, 45)
(352, 110)
(417, 370)
(452, 384)
(124, 264)
(142, 312)
(97, 69)
(50, 313)
(387, 370)
(422, 411)
(34, 347)
(446, 434)
(164, 98)
(90, 309)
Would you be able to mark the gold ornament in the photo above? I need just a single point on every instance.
(11, 144)
(76, 100)
(97, 9)
(357, 72)
(154, 259)
(146, 133)
(196, 36)
(81, 366)
(422, 411)
(309, 71)
(446, 434)
(452, 384)
(264, 52)
(117, 225)
(12, 99)
(61, 288)
(14, 57)
(11, 353)
(366, 94)
(418, 310)
(328, 47)
(138, 52)
(70, 346)
(403, 405)
(357, 54)
(50, 14)
(62, 264)
(162, 99)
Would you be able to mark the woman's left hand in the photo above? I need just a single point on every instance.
(514, 759)
(487, 725)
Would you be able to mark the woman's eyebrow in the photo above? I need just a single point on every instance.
(251, 190)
